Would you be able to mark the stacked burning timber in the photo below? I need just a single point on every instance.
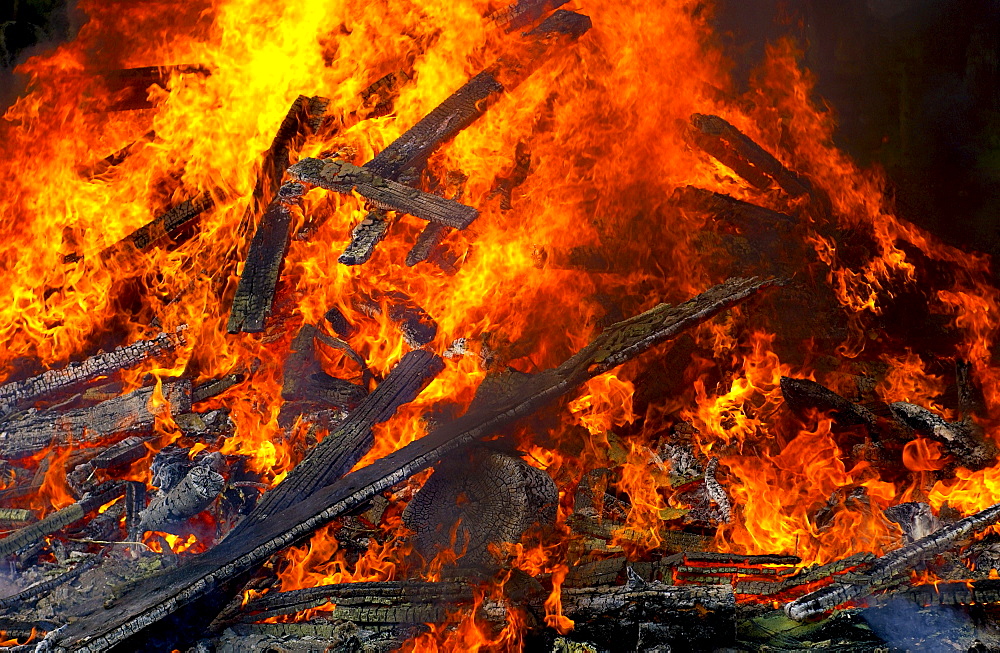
(592, 353)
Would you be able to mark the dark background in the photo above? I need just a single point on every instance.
(915, 86)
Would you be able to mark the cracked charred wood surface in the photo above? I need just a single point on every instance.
(801, 394)
(889, 565)
(303, 118)
(469, 102)
(259, 281)
(488, 497)
(195, 492)
(107, 622)
(341, 449)
(385, 602)
(965, 440)
(749, 160)
(364, 237)
(58, 520)
(640, 616)
(806, 576)
(214, 387)
(523, 13)
(126, 414)
(386, 194)
(304, 380)
(18, 393)
(428, 239)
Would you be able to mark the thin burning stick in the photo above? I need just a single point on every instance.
(891, 564)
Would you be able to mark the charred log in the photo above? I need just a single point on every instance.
(803, 394)
(469, 503)
(343, 177)
(129, 413)
(891, 564)
(736, 150)
(523, 13)
(18, 393)
(430, 237)
(196, 491)
(364, 237)
(965, 440)
(416, 325)
(214, 387)
(258, 283)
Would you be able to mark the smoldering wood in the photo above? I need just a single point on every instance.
(195, 492)
(504, 186)
(915, 518)
(716, 493)
(58, 520)
(428, 239)
(688, 617)
(303, 376)
(338, 322)
(15, 517)
(380, 95)
(258, 283)
(384, 193)
(364, 237)
(35, 592)
(469, 102)
(486, 498)
(802, 394)
(982, 592)
(965, 440)
(18, 393)
(745, 216)
(746, 158)
(303, 118)
(341, 449)
(522, 13)
(119, 454)
(813, 574)
(384, 602)
(135, 504)
(416, 325)
(109, 621)
(214, 387)
(891, 564)
(128, 414)
(970, 396)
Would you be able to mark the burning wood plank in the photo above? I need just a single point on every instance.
(107, 623)
(364, 237)
(430, 237)
(736, 150)
(344, 177)
(258, 283)
(744, 216)
(130, 86)
(891, 564)
(801, 394)
(58, 520)
(129, 413)
(523, 13)
(17, 393)
(965, 440)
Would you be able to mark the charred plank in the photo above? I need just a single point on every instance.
(801, 394)
(258, 283)
(364, 237)
(965, 440)
(17, 393)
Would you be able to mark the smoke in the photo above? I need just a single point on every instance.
(906, 626)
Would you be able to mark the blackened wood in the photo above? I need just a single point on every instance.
(641, 616)
(429, 238)
(473, 502)
(129, 413)
(808, 576)
(108, 623)
(964, 440)
(116, 158)
(416, 325)
(891, 564)
(736, 150)
(802, 394)
(58, 520)
(167, 223)
(120, 454)
(466, 104)
(18, 393)
(16, 517)
(214, 387)
(341, 449)
(380, 95)
(195, 492)
(717, 558)
(258, 283)
(130, 86)
(303, 118)
(364, 237)
(344, 177)
(39, 590)
(304, 379)
(135, 503)
(745, 216)
(964, 592)
(523, 13)
(970, 396)
(503, 186)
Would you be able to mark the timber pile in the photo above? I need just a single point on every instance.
(101, 572)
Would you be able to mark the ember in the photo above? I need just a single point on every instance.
(438, 326)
